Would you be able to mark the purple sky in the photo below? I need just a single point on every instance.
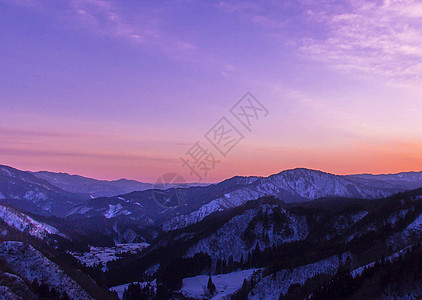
(114, 89)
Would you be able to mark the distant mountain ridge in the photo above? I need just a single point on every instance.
(62, 194)
(290, 186)
(93, 187)
(33, 194)
(407, 180)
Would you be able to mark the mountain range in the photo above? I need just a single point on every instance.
(62, 194)
(264, 235)
(92, 187)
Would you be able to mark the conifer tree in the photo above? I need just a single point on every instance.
(211, 287)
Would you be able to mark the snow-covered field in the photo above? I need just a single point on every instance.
(226, 284)
(103, 255)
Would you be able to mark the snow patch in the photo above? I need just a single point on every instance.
(25, 223)
(115, 210)
(226, 284)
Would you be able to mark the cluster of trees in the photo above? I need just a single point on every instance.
(135, 291)
(173, 269)
(255, 258)
(276, 219)
(211, 289)
(43, 291)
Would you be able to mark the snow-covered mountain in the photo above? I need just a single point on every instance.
(290, 186)
(264, 225)
(33, 194)
(143, 205)
(298, 246)
(64, 194)
(297, 185)
(277, 233)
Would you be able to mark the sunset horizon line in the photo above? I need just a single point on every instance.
(99, 178)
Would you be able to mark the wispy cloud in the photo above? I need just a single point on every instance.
(379, 38)
(33, 133)
(373, 37)
(107, 18)
(16, 152)
(103, 17)
(259, 15)
(234, 7)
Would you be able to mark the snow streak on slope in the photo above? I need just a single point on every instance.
(25, 223)
(270, 287)
(415, 226)
(115, 210)
(411, 234)
(234, 199)
(28, 263)
(392, 257)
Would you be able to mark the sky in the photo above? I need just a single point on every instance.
(127, 89)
